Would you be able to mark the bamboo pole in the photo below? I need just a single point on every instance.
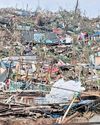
(63, 118)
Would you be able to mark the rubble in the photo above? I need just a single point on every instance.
(46, 59)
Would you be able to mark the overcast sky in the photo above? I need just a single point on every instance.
(92, 7)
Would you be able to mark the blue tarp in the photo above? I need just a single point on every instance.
(39, 37)
(96, 34)
(49, 38)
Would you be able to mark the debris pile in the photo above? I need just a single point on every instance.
(49, 66)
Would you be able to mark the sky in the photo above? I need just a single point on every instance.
(90, 7)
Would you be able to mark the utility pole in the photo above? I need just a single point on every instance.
(27, 7)
(16, 6)
(38, 3)
(77, 4)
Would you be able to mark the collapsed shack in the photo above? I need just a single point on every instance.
(79, 114)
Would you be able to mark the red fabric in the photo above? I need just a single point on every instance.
(57, 31)
(52, 70)
(8, 82)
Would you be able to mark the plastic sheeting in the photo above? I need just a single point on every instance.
(61, 95)
(3, 72)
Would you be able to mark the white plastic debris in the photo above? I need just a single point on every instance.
(66, 92)
(68, 39)
(33, 67)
